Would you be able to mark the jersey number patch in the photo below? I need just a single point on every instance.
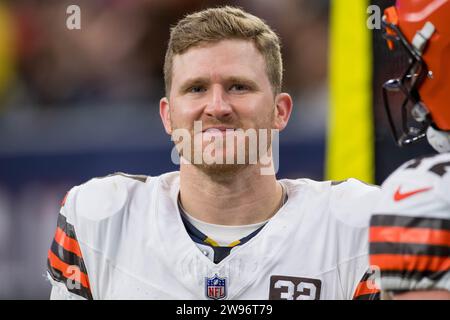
(439, 168)
(293, 288)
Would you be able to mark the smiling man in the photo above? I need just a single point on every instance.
(216, 229)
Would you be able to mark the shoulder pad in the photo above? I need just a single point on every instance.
(100, 198)
(437, 164)
(352, 202)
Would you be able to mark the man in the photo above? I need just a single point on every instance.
(410, 230)
(216, 230)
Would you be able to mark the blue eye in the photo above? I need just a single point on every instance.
(196, 89)
(238, 87)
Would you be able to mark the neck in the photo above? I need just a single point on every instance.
(243, 198)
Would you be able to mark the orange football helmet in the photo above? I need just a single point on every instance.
(422, 27)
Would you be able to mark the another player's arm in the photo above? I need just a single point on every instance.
(410, 230)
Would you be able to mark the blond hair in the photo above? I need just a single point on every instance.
(215, 24)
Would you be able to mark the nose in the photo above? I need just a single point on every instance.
(218, 107)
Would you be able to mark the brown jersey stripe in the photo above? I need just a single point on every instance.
(67, 256)
(68, 229)
(414, 275)
(72, 286)
(337, 182)
(137, 177)
(367, 276)
(408, 248)
(409, 222)
(56, 274)
(410, 262)
(65, 268)
(67, 243)
(370, 296)
(409, 235)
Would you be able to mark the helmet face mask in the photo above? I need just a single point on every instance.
(420, 97)
(414, 115)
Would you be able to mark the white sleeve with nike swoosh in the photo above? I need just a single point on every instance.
(419, 188)
(408, 236)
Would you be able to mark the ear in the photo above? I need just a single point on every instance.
(283, 109)
(164, 112)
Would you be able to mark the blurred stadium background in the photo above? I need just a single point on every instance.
(76, 104)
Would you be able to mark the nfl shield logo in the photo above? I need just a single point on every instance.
(216, 287)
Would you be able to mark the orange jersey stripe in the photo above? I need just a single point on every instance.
(67, 243)
(60, 265)
(410, 235)
(410, 262)
(366, 287)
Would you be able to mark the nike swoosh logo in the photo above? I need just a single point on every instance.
(400, 196)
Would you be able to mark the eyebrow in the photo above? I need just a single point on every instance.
(243, 80)
(206, 81)
(193, 82)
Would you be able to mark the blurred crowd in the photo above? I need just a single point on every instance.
(76, 104)
(118, 54)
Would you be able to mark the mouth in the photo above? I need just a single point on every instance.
(219, 128)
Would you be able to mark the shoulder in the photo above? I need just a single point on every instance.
(418, 187)
(352, 201)
(437, 166)
(352, 189)
(348, 202)
(97, 210)
(100, 198)
(340, 209)
(344, 216)
(351, 205)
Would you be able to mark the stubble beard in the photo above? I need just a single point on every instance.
(225, 171)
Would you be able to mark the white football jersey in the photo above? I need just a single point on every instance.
(122, 237)
(410, 228)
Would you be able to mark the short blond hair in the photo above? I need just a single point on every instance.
(222, 23)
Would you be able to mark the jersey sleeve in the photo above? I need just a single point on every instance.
(368, 288)
(66, 268)
(410, 228)
(418, 188)
(87, 235)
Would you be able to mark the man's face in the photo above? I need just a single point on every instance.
(225, 86)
